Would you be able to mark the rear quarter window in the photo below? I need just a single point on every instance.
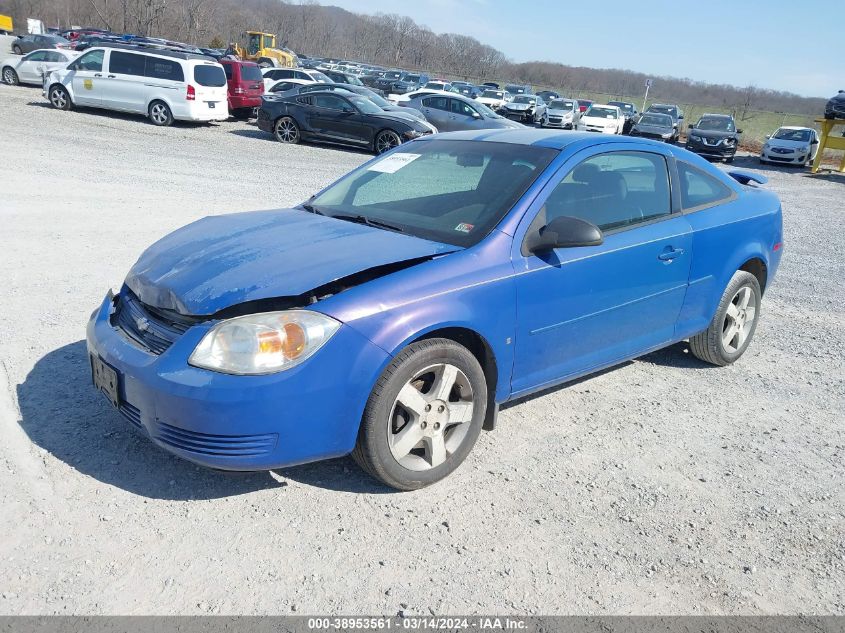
(699, 189)
(209, 75)
(164, 69)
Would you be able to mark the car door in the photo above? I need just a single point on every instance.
(87, 79)
(28, 69)
(436, 110)
(124, 88)
(580, 309)
(335, 118)
(463, 116)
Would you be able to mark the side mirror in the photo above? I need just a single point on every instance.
(768, 136)
(476, 115)
(348, 110)
(739, 131)
(691, 126)
(815, 141)
(564, 232)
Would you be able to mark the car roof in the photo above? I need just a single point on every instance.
(795, 127)
(152, 50)
(554, 139)
(717, 116)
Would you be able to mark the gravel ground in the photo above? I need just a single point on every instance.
(661, 487)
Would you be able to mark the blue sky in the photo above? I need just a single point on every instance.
(768, 43)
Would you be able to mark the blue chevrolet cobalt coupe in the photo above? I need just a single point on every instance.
(390, 314)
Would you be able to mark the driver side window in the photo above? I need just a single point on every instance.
(90, 61)
(38, 56)
(459, 107)
(613, 191)
(329, 102)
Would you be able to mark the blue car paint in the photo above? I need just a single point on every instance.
(604, 304)
(225, 260)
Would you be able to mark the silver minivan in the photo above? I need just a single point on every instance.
(165, 85)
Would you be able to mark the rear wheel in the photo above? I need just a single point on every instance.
(386, 141)
(10, 76)
(287, 131)
(59, 97)
(423, 416)
(160, 114)
(17, 50)
(733, 326)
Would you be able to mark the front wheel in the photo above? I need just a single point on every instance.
(160, 114)
(386, 141)
(733, 326)
(423, 416)
(59, 98)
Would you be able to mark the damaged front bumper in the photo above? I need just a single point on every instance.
(306, 413)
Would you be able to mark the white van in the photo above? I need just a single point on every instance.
(161, 84)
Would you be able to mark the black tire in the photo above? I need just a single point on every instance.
(286, 130)
(729, 159)
(17, 50)
(10, 77)
(59, 97)
(385, 141)
(372, 450)
(709, 345)
(159, 114)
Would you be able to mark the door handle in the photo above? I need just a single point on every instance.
(98, 74)
(670, 253)
(112, 76)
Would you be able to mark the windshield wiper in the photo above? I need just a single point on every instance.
(362, 219)
(311, 209)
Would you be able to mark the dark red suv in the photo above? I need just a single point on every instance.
(246, 85)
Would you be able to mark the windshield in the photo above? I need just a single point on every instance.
(602, 113)
(670, 110)
(374, 97)
(365, 105)
(436, 85)
(659, 120)
(316, 75)
(413, 79)
(560, 104)
(493, 94)
(515, 90)
(716, 124)
(251, 72)
(802, 136)
(524, 99)
(620, 104)
(443, 190)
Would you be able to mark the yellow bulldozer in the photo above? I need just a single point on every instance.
(261, 48)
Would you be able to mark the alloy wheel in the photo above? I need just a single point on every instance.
(159, 114)
(430, 417)
(58, 98)
(287, 131)
(739, 319)
(386, 141)
(9, 76)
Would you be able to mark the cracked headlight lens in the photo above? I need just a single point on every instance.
(263, 343)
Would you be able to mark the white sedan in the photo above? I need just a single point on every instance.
(494, 99)
(791, 146)
(603, 118)
(31, 68)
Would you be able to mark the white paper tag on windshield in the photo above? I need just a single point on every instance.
(393, 163)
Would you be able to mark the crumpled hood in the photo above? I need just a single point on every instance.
(221, 261)
(518, 106)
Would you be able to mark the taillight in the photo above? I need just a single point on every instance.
(192, 93)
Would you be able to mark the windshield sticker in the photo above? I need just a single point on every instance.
(393, 163)
(464, 227)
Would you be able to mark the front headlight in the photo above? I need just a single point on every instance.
(411, 134)
(263, 343)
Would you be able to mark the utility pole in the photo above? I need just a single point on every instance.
(645, 98)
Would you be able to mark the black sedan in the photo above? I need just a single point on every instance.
(660, 127)
(333, 117)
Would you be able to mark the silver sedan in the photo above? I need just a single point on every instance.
(454, 113)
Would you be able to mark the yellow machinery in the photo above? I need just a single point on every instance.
(828, 141)
(261, 47)
(6, 25)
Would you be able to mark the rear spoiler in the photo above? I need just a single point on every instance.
(745, 177)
